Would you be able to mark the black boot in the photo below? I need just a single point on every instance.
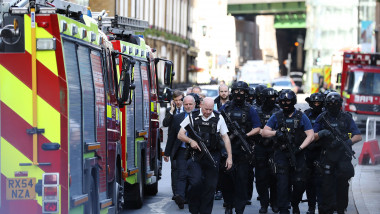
(275, 208)
(311, 210)
(263, 210)
(228, 210)
(296, 210)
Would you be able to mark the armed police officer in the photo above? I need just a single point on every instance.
(204, 128)
(251, 95)
(294, 133)
(334, 128)
(265, 178)
(258, 95)
(313, 153)
(243, 122)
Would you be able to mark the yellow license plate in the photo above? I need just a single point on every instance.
(21, 188)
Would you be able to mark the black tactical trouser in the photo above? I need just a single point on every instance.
(181, 182)
(173, 173)
(336, 175)
(234, 185)
(314, 179)
(265, 179)
(289, 179)
(203, 178)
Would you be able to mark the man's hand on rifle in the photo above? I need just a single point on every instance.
(194, 145)
(349, 142)
(324, 133)
(228, 163)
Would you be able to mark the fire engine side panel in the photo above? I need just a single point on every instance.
(100, 114)
(75, 118)
(139, 121)
(146, 111)
(131, 131)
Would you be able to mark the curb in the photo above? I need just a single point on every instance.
(358, 199)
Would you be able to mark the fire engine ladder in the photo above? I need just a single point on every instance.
(119, 25)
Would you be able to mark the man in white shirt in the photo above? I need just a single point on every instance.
(202, 174)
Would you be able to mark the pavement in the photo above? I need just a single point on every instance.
(365, 185)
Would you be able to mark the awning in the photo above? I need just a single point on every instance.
(289, 21)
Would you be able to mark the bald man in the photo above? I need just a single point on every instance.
(202, 174)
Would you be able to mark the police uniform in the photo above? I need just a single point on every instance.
(286, 175)
(336, 164)
(313, 153)
(202, 175)
(235, 182)
(265, 179)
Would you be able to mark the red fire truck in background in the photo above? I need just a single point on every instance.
(360, 85)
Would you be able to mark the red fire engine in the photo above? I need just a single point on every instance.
(360, 85)
(67, 143)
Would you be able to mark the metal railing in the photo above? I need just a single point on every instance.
(369, 131)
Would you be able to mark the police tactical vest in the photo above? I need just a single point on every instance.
(241, 115)
(207, 129)
(312, 117)
(296, 131)
(342, 122)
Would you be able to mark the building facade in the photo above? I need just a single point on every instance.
(169, 28)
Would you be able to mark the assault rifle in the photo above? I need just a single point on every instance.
(338, 136)
(204, 151)
(288, 144)
(238, 131)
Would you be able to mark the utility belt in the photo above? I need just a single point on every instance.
(196, 155)
(342, 168)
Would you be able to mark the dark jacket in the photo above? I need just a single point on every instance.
(218, 103)
(168, 117)
(173, 144)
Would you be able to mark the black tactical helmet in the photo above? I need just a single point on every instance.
(258, 90)
(316, 97)
(269, 92)
(269, 96)
(327, 92)
(333, 103)
(287, 94)
(333, 98)
(240, 85)
(196, 98)
(250, 95)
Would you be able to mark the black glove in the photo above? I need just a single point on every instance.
(297, 150)
(324, 133)
(334, 144)
(349, 142)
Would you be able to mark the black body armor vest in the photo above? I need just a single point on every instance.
(241, 115)
(207, 129)
(342, 122)
(312, 116)
(264, 117)
(296, 131)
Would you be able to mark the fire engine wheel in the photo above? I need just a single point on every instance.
(118, 193)
(93, 198)
(134, 194)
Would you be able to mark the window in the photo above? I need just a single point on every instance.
(363, 83)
